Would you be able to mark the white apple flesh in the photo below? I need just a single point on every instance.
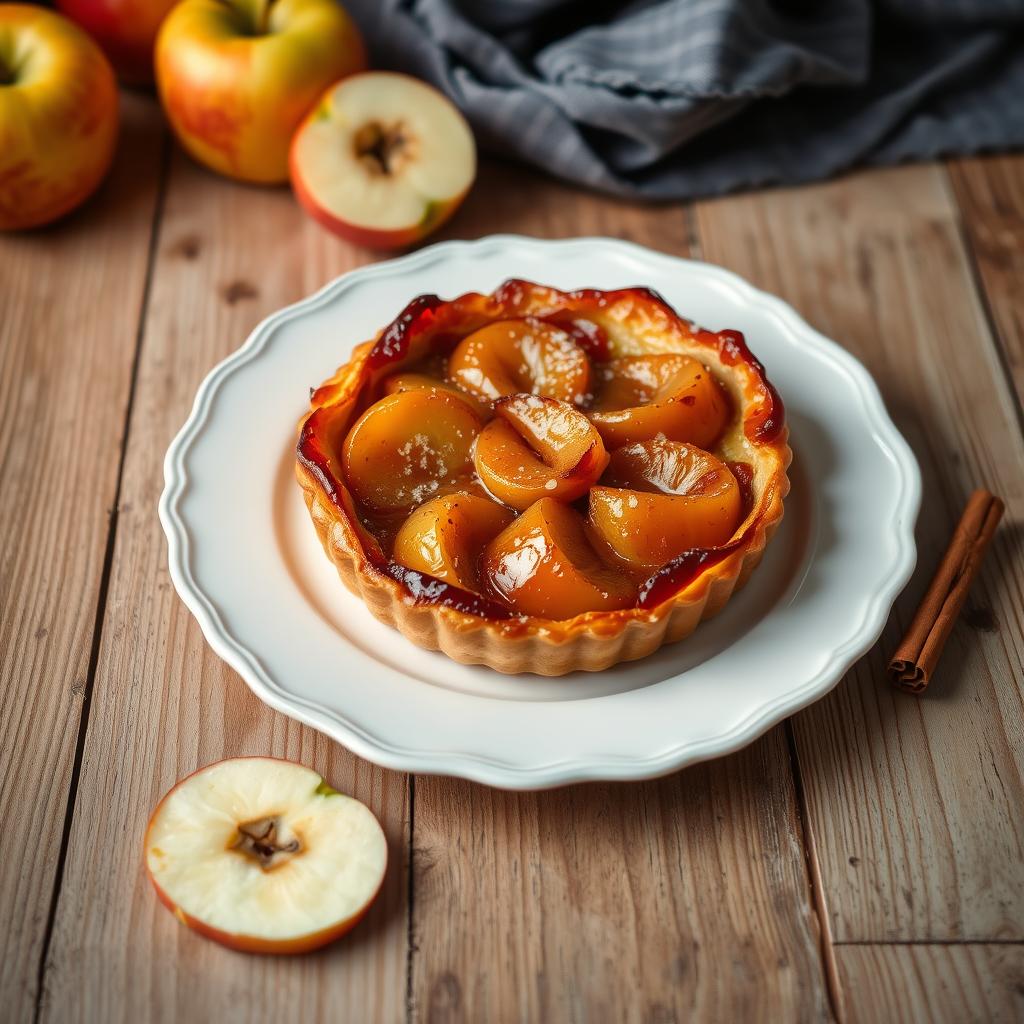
(383, 159)
(262, 855)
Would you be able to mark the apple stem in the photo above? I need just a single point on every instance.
(258, 12)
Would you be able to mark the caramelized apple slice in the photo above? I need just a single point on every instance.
(544, 565)
(521, 355)
(672, 497)
(536, 448)
(445, 537)
(690, 405)
(399, 382)
(636, 380)
(405, 447)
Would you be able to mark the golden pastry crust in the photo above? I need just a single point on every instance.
(473, 630)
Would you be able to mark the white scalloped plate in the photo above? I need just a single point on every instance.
(246, 561)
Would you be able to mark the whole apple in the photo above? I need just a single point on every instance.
(236, 77)
(58, 116)
(125, 29)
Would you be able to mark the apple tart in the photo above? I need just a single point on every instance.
(544, 481)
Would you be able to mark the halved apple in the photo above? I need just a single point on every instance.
(527, 355)
(399, 382)
(262, 855)
(669, 395)
(445, 537)
(383, 159)
(407, 446)
(544, 565)
(670, 497)
(538, 447)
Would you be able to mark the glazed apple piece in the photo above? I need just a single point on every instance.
(667, 395)
(525, 355)
(544, 565)
(669, 497)
(445, 537)
(399, 382)
(538, 447)
(635, 380)
(407, 446)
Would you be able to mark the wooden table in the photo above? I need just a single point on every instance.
(864, 860)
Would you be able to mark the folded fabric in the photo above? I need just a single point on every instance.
(683, 98)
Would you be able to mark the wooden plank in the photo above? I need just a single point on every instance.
(685, 898)
(990, 193)
(682, 899)
(71, 297)
(917, 804)
(961, 984)
(164, 703)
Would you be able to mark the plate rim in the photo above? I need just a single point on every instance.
(591, 767)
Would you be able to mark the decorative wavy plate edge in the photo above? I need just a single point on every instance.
(592, 767)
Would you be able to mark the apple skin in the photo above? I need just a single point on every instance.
(234, 98)
(125, 29)
(437, 214)
(251, 943)
(254, 944)
(58, 125)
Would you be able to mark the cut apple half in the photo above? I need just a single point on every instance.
(383, 159)
(538, 448)
(262, 855)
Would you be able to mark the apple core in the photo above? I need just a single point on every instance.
(263, 840)
(384, 148)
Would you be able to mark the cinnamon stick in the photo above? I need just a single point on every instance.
(915, 659)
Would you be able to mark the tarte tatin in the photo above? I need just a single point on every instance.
(545, 481)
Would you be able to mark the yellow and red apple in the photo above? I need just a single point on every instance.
(236, 77)
(261, 855)
(58, 116)
(383, 160)
(125, 29)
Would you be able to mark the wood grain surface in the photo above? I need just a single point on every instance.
(166, 704)
(990, 192)
(942, 984)
(682, 899)
(861, 862)
(66, 350)
(917, 805)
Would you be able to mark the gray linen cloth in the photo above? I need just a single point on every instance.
(682, 98)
